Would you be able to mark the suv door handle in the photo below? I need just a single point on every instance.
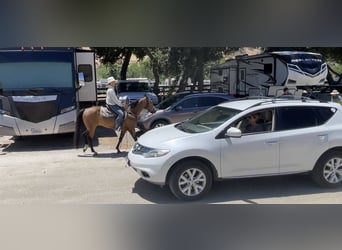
(271, 142)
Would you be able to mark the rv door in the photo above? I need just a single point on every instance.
(232, 81)
(86, 78)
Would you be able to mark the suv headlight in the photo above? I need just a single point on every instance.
(153, 153)
(149, 152)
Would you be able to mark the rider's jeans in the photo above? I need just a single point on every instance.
(117, 110)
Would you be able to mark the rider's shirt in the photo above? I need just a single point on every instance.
(112, 98)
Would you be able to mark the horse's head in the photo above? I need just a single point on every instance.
(149, 104)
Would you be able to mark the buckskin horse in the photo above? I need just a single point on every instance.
(92, 118)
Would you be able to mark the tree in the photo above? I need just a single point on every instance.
(158, 57)
(190, 62)
(115, 54)
(182, 62)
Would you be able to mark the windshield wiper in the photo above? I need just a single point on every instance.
(35, 91)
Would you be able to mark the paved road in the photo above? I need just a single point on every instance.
(49, 170)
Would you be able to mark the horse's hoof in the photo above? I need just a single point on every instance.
(95, 153)
(85, 148)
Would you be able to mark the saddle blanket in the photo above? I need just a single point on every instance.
(105, 112)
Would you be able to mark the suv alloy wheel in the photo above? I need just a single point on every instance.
(190, 180)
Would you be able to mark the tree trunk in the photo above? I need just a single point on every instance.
(154, 63)
(125, 64)
(199, 70)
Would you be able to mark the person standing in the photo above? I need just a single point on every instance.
(113, 102)
(286, 92)
(335, 96)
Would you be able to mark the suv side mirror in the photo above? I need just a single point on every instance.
(233, 132)
(178, 108)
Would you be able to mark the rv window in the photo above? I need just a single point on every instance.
(268, 68)
(242, 74)
(86, 69)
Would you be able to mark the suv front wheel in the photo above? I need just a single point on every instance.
(328, 170)
(190, 180)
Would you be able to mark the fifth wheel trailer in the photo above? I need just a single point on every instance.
(258, 74)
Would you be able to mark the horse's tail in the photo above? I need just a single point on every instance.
(78, 127)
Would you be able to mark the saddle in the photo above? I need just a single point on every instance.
(106, 112)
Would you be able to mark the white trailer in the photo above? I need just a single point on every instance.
(255, 75)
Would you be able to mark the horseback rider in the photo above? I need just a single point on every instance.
(113, 102)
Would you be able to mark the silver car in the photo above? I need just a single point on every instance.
(180, 107)
(292, 136)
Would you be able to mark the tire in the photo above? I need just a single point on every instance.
(327, 172)
(159, 123)
(190, 180)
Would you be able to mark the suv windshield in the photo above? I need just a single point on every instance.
(208, 120)
(133, 87)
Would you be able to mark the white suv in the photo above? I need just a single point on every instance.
(293, 136)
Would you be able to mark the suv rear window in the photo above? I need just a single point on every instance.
(133, 87)
(301, 117)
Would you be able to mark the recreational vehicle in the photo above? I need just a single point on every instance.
(256, 75)
(42, 89)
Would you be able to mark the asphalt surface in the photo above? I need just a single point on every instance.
(49, 170)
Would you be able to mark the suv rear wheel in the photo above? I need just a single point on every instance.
(190, 180)
(328, 170)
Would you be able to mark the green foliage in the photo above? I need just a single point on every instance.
(159, 63)
(108, 69)
(140, 69)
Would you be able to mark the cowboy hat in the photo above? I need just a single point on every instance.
(335, 92)
(110, 80)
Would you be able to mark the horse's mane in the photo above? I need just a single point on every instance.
(134, 104)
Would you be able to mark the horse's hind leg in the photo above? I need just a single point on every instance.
(90, 140)
(86, 140)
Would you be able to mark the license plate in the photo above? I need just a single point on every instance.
(36, 131)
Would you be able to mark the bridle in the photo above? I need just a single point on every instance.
(149, 105)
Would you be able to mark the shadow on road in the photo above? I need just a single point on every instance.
(104, 155)
(239, 190)
(52, 142)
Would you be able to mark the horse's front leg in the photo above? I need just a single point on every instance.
(133, 134)
(123, 131)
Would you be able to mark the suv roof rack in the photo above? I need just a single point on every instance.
(277, 99)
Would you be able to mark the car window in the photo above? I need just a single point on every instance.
(189, 103)
(208, 120)
(171, 100)
(301, 117)
(256, 122)
(208, 101)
